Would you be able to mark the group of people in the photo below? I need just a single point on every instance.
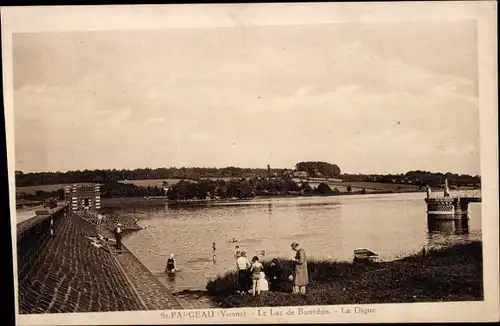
(252, 278)
(251, 275)
(446, 191)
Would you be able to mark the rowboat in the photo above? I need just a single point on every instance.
(365, 255)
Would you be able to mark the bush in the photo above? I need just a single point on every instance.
(323, 189)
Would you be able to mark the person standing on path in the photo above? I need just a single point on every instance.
(301, 277)
(99, 219)
(243, 265)
(118, 236)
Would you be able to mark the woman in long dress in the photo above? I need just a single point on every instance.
(275, 272)
(301, 276)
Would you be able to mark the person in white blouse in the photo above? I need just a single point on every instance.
(243, 266)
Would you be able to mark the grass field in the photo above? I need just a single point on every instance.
(368, 186)
(373, 186)
(450, 274)
(34, 189)
(381, 186)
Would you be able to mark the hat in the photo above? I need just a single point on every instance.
(119, 224)
(294, 245)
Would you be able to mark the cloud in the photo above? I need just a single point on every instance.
(276, 96)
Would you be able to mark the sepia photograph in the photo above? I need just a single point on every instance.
(252, 163)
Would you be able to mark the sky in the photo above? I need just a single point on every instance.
(378, 97)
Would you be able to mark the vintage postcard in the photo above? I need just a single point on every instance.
(253, 163)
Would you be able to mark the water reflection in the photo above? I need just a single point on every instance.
(171, 278)
(327, 228)
(448, 227)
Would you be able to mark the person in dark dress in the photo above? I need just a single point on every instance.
(118, 236)
(275, 274)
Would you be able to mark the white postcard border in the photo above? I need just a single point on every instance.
(42, 19)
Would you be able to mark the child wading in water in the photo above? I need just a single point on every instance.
(171, 264)
(255, 270)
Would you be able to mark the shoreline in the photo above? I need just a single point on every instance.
(152, 201)
(447, 274)
(160, 201)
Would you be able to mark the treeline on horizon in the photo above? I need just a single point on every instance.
(112, 189)
(204, 189)
(313, 169)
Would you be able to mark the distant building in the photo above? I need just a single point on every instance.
(300, 174)
(317, 173)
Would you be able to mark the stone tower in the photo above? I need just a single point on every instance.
(84, 197)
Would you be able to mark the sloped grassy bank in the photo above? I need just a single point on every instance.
(449, 274)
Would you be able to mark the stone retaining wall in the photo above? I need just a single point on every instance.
(445, 204)
(63, 272)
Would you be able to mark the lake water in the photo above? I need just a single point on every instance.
(392, 225)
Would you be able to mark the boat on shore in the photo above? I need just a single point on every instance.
(365, 255)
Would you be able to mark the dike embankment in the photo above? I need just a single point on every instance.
(61, 271)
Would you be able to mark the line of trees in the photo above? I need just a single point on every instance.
(189, 173)
(120, 190)
(101, 176)
(419, 178)
(42, 195)
(247, 188)
(108, 190)
(313, 169)
(241, 188)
